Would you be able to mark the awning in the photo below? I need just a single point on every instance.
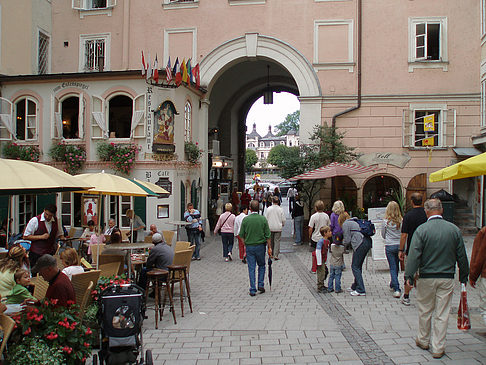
(466, 151)
(334, 169)
(474, 166)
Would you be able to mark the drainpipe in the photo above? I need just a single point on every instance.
(358, 104)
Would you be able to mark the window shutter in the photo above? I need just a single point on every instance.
(407, 128)
(81, 116)
(6, 125)
(138, 126)
(110, 3)
(99, 128)
(449, 128)
(78, 4)
(421, 41)
(56, 127)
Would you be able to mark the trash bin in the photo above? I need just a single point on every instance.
(448, 213)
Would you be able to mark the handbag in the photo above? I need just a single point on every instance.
(219, 230)
(463, 320)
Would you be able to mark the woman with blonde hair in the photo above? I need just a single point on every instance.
(337, 231)
(70, 260)
(16, 259)
(226, 223)
(391, 233)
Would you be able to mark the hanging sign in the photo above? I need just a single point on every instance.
(429, 123)
(428, 141)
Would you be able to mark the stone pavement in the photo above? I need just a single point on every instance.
(293, 324)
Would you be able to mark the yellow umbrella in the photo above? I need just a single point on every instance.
(108, 184)
(474, 166)
(153, 187)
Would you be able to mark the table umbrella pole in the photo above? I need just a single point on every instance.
(100, 197)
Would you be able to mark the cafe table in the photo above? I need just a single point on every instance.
(178, 225)
(130, 247)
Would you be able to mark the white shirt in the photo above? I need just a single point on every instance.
(275, 217)
(72, 270)
(317, 221)
(238, 221)
(291, 193)
(33, 225)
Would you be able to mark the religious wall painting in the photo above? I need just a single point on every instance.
(164, 117)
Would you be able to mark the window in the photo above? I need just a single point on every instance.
(26, 210)
(43, 54)
(6, 125)
(262, 144)
(26, 119)
(428, 41)
(187, 122)
(117, 207)
(282, 142)
(429, 126)
(483, 103)
(120, 109)
(71, 209)
(262, 155)
(71, 117)
(94, 53)
(483, 18)
(272, 144)
(172, 4)
(92, 4)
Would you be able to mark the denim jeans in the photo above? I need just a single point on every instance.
(335, 278)
(359, 256)
(228, 240)
(194, 236)
(255, 255)
(392, 257)
(299, 227)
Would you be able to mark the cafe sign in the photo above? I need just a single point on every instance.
(388, 158)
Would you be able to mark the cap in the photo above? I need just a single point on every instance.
(44, 261)
(157, 238)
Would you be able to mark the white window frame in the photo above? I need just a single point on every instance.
(272, 144)
(107, 114)
(483, 21)
(447, 120)
(282, 142)
(99, 124)
(6, 120)
(168, 32)
(14, 116)
(85, 8)
(83, 38)
(413, 61)
(57, 130)
(246, 2)
(187, 121)
(139, 119)
(48, 58)
(349, 63)
(24, 217)
(262, 144)
(179, 4)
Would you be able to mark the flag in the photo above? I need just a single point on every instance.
(429, 123)
(156, 70)
(149, 68)
(178, 76)
(184, 71)
(168, 72)
(428, 141)
(195, 72)
(144, 67)
(189, 71)
(176, 65)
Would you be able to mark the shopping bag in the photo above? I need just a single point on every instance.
(463, 321)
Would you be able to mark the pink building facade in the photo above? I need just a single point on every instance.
(374, 69)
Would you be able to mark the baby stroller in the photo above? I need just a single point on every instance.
(121, 317)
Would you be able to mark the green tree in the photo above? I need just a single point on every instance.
(250, 159)
(291, 122)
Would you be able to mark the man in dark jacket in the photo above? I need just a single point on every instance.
(161, 255)
(478, 269)
(436, 247)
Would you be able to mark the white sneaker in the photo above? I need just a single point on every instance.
(405, 301)
(397, 294)
(354, 293)
(226, 259)
(350, 289)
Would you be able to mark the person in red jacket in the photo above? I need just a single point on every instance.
(477, 269)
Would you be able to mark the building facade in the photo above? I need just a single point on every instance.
(398, 78)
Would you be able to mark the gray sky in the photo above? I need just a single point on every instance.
(263, 115)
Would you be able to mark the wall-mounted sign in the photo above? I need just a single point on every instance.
(165, 183)
(164, 128)
(79, 85)
(385, 157)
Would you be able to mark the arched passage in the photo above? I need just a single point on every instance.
(379, 190)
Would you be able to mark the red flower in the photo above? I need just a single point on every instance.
(67, 349)
(52, 336)
(29, 330)
(70, 302)
(88, 331)
(86, 345)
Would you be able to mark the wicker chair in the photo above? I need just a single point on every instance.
(107, 258)
(109, 269)
(86, 299)
(94, 252)
(182, 245)
(40, 287)
(168, 237)
(7, 325)
(81, 282)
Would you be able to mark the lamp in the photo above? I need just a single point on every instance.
(268, 93)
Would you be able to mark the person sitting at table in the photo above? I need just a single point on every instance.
(136, 224)
(160, 256)
(20, 293)
(115, 238)
(91, 236)
(16, 259)
(153, 230)
(110, 228)
(60, 287)
(70, 260)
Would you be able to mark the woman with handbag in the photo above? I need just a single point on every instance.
(226, 227)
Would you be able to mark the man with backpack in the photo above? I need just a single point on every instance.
(361, 244)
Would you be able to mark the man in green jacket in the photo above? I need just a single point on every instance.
(435, 248)
(256, 235)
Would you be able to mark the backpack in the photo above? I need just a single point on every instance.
(366, 228)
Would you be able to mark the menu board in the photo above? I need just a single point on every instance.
(376, 216)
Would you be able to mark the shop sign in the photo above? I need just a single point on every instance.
(388, 158)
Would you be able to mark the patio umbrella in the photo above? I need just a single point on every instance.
(334, 169)
(270, 272)
(474, 166)
(150, 187)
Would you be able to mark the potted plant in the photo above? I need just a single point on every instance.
(72, 156)
(192, 151)
(34, 350)
(15, 151)
(121, 156)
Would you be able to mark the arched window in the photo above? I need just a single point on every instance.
(187, 121)
(70, 117)
(120, 116)
(272, 144)
(282, 142)
(262, 144)
(26, 119)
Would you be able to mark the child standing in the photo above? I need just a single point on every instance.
(336, 264)
(19, 292)
(321, 256)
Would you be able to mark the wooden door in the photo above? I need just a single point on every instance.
(417, 184)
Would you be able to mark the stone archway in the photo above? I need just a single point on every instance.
(378, 190)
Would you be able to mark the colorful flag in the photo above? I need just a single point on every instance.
(189, 71)
(195, 72)
(156, 70)
(144, 67)
(168, 72)
(429, 121)
(428, 141)
(180, 70)
(184, 71)
(176, 66)
(149, 68)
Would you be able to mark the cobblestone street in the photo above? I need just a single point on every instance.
(293, 324)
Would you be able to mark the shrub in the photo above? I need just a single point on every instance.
(19, 152)
(34, 350)
(122, 157)
(192, 151)
(73, 156)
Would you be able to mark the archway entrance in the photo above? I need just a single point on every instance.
(417, 184)
(346, 191)
(379, 190)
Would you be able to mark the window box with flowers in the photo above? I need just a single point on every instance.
(121, 156)
(73, 156)
(16, 151)
(192, 152)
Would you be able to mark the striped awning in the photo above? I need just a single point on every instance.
(334, 169)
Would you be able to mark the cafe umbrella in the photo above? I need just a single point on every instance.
(471, 167)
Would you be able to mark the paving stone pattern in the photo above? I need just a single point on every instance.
(292, 323)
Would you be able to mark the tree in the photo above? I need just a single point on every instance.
(291, 122)
(250, 159)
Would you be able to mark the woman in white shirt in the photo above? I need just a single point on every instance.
(391, 232)
(70, 260)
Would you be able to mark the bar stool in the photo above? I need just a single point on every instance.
(157, 278)
(178, 273)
